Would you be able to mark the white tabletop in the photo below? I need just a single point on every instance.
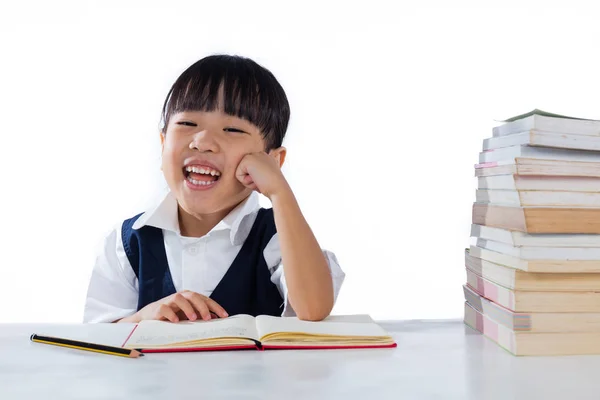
(434, 360)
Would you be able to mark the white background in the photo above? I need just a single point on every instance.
(390, 102)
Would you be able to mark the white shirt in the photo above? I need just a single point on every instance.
(196, 264)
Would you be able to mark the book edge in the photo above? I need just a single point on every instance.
(129, 337)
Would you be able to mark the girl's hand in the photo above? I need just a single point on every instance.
(262, 172)
(183, 305)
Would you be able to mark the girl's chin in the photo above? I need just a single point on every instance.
(209, 201)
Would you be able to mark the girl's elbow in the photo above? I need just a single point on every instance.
(314, 314)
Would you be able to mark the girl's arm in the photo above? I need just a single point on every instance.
(307, 274)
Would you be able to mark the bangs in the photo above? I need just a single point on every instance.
(236, 86)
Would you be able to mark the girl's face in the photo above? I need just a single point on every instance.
(200, 154)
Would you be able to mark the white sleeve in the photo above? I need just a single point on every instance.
(272, 254)
(113, 289)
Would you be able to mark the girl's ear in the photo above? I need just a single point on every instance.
(162, 147)
(162, 141)
(279, 154)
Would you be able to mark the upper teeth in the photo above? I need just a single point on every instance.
(203, 170)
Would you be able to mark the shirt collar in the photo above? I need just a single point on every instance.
(239, 221)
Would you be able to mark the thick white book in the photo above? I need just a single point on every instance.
(533, 265)
(542, 253)
(538, 167)
(530, 182)
(521, 239)
(538, 198)
(533, 321)
(548, 153)
(532, 343)
(512, 278)
(535, 137)
(545, 121)
(534, 301)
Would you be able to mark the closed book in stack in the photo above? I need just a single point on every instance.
(533, 269)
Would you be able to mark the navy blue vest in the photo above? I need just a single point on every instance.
(246, 287)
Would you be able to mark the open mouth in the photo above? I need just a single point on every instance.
(201, 176)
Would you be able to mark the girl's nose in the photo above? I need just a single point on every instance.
(204, 141)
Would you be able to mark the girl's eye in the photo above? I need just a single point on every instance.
(234, 130)
(186, 123)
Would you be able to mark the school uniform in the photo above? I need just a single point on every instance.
(238, 264)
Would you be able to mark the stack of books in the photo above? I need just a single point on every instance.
(533, 269)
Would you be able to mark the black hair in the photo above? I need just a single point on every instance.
(249, 91)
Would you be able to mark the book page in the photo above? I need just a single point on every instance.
(160, 333)
(266, 324)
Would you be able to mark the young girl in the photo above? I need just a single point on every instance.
(207, 249)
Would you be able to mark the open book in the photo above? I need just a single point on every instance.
(262, 332)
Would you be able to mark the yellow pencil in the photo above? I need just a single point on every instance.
(98, 348)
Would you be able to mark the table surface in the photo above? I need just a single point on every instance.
(433, 360)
